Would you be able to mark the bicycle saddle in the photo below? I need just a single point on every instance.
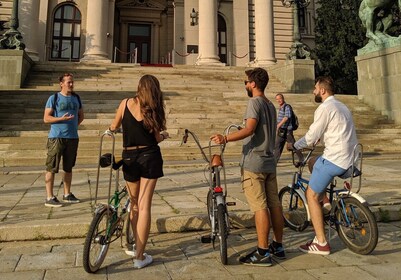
(105, 161)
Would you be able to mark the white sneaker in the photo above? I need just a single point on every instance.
(132, 252)
(142, 263)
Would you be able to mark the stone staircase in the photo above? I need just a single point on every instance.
(202, 99)
(5, 15)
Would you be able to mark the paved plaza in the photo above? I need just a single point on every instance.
(38, 242)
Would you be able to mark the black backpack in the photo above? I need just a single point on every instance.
(55, 100)
(294, 119)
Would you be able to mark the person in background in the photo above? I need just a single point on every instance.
(284, 129)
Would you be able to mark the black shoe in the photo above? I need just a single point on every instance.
(53, 202)
(256, 259)
(70, 198)
(277, 251)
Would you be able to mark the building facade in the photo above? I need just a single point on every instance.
(201, 32)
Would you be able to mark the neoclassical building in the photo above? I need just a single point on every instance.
(202, 32)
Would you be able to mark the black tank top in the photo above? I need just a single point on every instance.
(134, 133)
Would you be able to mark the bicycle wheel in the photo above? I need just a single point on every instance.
(96, 242)
(223, 232)
(210, 206)
(356, 226)
(294, 209)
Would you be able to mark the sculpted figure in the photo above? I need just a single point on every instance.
(376, 17)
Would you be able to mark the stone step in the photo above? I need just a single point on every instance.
(202, 99)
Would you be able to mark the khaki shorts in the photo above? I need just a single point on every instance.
(61, 147)
(260, 190)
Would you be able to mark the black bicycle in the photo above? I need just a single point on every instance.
(217, 193)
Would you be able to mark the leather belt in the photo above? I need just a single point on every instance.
(133, 148)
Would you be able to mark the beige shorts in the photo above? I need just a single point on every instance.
(260, 190)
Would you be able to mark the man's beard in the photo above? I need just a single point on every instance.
(249, 92)
(318, 98)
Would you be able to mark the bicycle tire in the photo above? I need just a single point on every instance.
(361, 235)
(96, 243)
(294, 209)
(223, 232)
(210, 207)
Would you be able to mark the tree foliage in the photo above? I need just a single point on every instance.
(339, 34)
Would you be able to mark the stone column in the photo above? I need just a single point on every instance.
(241, 31)
(29, 21)
(96, 31)
(155, 55)
(264, 33)
(178, 24)
(208, 33)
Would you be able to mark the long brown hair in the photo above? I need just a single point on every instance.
(151, 102)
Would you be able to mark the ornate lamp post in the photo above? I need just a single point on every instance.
(12, 38)
(298, 49)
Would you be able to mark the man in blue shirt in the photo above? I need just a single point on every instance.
(64, 112)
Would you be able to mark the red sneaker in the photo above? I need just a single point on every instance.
(312, 247)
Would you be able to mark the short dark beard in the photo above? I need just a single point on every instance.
(318, 98)
(249, 92)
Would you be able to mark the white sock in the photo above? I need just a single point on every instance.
(317, 241)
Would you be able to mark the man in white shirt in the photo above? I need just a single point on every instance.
(334, 126)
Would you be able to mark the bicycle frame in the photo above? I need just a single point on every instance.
(335, 196)
(115, 199)
(216, 197)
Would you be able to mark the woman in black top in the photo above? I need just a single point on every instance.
(144, 123)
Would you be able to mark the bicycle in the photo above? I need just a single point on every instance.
(216, 197)
(108, 221)
(350, 215)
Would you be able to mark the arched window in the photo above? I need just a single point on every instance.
(66, 33)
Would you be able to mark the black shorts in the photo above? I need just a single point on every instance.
(145, 162)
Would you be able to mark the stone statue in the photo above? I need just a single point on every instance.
(376, 17)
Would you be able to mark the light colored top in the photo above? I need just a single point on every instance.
(257, 150)
(334, 126)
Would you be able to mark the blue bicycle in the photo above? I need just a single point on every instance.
(350, 215)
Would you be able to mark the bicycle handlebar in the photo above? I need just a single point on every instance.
(116, 131)
(187, 132)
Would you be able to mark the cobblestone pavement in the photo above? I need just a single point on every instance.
(183, 256)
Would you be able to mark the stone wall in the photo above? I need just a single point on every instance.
(14, 67)
(297, 75)
(379, 81)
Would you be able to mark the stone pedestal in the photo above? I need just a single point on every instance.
(298, 75)
(14, 67)
(379, 81)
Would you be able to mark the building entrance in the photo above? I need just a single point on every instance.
(139, 36)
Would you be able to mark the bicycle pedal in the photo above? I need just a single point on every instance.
(206, 239)
(232, 203)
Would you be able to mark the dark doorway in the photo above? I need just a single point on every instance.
(139, 36)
